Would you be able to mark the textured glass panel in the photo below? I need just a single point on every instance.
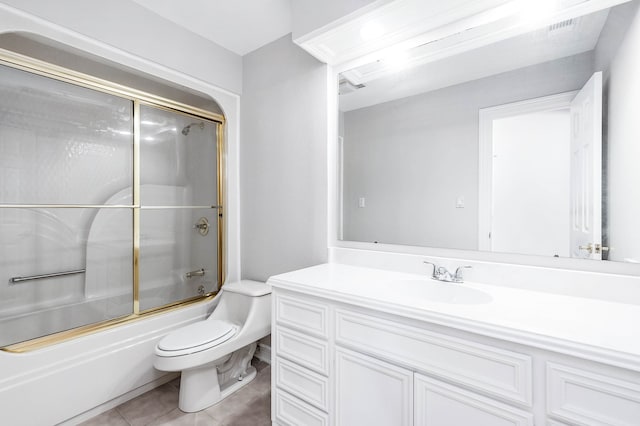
(61, 143)
(177, 159)
(171, 246)
(49, 241)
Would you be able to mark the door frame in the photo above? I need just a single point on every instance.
(486, 117)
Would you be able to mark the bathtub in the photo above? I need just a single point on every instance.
(75, 380)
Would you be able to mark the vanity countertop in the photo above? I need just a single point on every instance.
(598, 330)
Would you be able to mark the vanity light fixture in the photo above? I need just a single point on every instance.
(371, 30)
(534, 12)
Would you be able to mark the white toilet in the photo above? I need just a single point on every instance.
(214, 355)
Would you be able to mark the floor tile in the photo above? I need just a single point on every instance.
(256, 413)
(147, 407)
(243, 400)
(179, 418)
(250, 406)
(108, 418)
(259, 386)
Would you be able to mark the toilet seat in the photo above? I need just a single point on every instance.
(196, 337)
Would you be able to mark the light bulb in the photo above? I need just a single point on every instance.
(371, 30)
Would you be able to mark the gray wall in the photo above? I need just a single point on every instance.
(283, 160)
(413, 157)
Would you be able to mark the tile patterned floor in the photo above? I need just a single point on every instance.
(250, 406)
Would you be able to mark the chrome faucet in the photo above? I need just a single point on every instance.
(441, 273)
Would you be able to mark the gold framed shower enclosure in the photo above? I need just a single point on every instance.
(139, 99)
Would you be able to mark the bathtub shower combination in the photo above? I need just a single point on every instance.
(110, 203)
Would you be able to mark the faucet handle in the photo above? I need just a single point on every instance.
(458, 276)
(433, 275)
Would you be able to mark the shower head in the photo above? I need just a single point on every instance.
(187, 129)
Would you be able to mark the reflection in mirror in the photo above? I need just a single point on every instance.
(500, 139)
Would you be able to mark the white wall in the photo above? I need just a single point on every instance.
(309, 15)
(134, 29)
(412, 158)
(622, 138)
(531, 184)
(283, 159)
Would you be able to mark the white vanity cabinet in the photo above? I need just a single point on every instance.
(300, 371)
(483, 369)
(363, 371)
(438, 404)
(347, 361)
(369, 391)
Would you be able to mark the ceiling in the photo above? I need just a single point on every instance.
(240, 26)
(430, 67)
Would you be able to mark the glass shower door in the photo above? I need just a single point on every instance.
(178, 207)
(65, 206)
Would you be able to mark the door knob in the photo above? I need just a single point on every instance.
(588, 248)
(597, 248)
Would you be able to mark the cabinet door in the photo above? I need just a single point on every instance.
(371, 392)
(440, 404)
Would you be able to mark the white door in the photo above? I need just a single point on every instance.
(530, 176)
(370, 392)
(586, 170)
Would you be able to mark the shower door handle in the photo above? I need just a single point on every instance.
(16, 280)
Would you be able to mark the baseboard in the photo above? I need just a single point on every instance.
(263, 353)
(119, 400)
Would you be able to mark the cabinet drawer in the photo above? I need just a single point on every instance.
(309, 316)
(303, 350)
(305, 384)
(291, 411)
(440, 404)
(484, 368)
(585, 398)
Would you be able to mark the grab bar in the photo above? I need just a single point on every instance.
(16, 280)
(197, 273)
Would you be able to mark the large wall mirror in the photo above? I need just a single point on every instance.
(521, 135)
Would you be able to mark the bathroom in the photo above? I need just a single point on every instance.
(288, 185)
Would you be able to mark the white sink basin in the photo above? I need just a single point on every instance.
(437, 292)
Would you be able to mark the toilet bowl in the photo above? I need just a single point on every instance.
(214, 355)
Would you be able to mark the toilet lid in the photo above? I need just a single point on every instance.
(209, 333)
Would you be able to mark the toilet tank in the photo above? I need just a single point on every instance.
(248, 288)
(241, 298)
